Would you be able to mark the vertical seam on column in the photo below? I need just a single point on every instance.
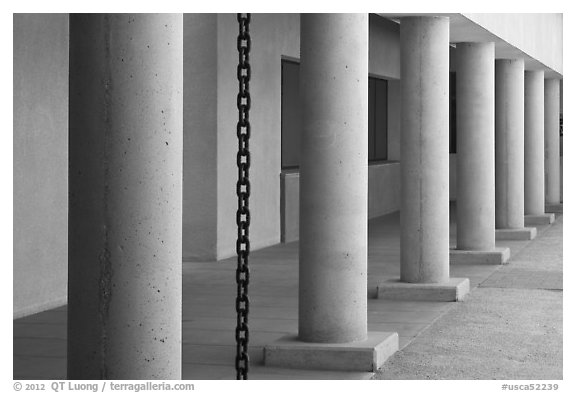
(507, 155)
(420, 169)
(104, 282)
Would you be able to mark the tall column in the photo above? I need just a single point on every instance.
(424, 240)
(125, 197)
(534, 149)
(475, 166)
(475, 228)
(332, 324)
(534, 142)
(510, 150)
(552, 140)
(333, 178)
(424, 150)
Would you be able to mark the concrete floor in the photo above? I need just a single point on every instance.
(510, 327)
(209, 315)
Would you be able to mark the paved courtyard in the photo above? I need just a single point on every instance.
(509, 327)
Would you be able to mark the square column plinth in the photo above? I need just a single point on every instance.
(527, 233)
(453, 290)
(539, 219)
(497, 256)
(554, 208)
(367, 355)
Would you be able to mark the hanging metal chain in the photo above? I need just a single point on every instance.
(243, 192)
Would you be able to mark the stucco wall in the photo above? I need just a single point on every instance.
(383, 188)
(210, 143)
(272, 36)
(289, 205)
(199, 184)
(40, 162)
(384, 48)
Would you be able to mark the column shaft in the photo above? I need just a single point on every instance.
(534, 142)
(125, 197)
(552, 142)
(509, 143)
(333, 177)
(424, 149)
(475, 166)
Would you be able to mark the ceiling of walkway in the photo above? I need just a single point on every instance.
(463, 29)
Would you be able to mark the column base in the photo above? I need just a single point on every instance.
(453, 290)
(539, 219)
(497, 256)
(367, 355)
(527, 233)
(554, 208)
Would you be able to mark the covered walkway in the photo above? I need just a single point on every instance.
(439, 340)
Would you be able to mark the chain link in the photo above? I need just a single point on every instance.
(243, 192)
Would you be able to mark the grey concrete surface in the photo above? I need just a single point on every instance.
(453, 290)
(125, 202)
(534, 142)
(539, 219)
(554, 207)
(424, 149)
(383, 195)
(526, 233)
(510, 327)
(366, 355)
(523, 31)
(475, 168)
(200, 162)
(333, 178)
(498, 256)
(40, 165)
(209, 320)
(509, 150)
(552, 140)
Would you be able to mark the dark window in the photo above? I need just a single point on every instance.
(377, 119)
(452, 112)
(290, 117)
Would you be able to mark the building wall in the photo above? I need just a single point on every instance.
(199, 185)
(210, 142)
(273, 35)
(384, 48)
(40, 162)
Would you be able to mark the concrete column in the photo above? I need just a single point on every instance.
(475, 166)
(534, 190)
(424, 150)
(333, 178)
(552, 140)
(534, 142)
(424, 163)
(332, 318)
(475, 228)
(510, 150)
(125, 201)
